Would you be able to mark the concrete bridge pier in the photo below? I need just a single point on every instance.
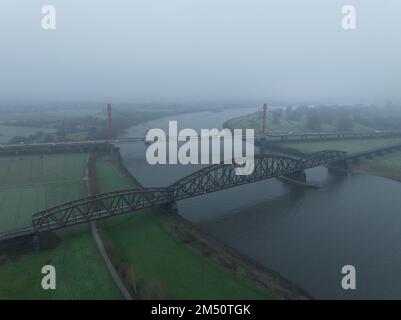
(171, 207)
(340, 165)
(298, 180)
(36, 242)
(299, 176)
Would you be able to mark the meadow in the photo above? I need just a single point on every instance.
(29, 184)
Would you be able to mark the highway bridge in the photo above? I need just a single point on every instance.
(277, 137)
(212, 178)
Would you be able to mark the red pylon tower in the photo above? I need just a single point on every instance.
(264, 119)
(110, 122)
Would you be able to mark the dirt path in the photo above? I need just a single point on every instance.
(95, 233)
(109, 264)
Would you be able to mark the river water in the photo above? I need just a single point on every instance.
(305, 235)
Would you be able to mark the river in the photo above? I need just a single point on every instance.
(305, 235)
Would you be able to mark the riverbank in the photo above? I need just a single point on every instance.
(391, 173)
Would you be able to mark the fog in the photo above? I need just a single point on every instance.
(187, 50)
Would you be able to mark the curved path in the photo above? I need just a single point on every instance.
(113, 272)
(99, 243)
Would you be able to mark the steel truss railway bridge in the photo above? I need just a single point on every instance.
(206, 180)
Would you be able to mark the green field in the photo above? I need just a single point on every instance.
(159, 259)
(29, 184)
(388, 166)
(32, 183)
(81, 273)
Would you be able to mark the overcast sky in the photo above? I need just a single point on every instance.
(178, 50)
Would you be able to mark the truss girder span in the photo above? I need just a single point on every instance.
(209, 179)
(98, 207)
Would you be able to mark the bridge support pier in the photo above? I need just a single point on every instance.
(339, 166)
(298, 180)
(171, 207)
(299, 176)
(36, 242)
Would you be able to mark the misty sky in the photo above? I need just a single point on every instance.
(178, 50)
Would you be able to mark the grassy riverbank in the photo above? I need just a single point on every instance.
(165, 264)
(387, 166)
(29, 184)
